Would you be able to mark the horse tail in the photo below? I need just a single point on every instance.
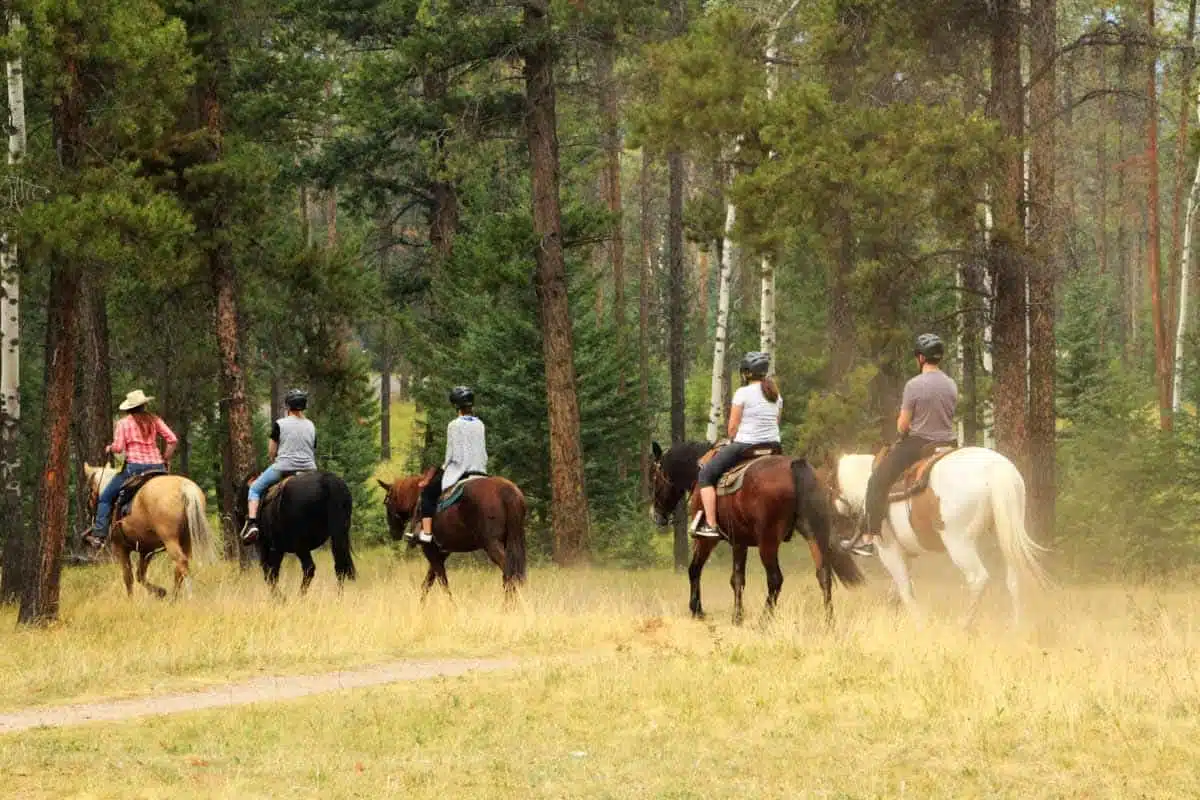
(199, 534)
(1008, 515)
(514, 533)
(812, 510)
(339, 506)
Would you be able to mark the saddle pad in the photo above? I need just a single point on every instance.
(452, 495)
(275, 488)
(916, 478)
(130, 487)
(731, 481)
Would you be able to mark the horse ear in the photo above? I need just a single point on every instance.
(383, 484)
(654, 446)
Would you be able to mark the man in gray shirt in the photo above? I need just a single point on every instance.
(926, 418)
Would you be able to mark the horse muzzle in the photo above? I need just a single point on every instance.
(658, 518)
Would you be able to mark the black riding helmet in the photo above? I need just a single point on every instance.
(756, 363)
(929, 345)
(462, 396)
(296, 399)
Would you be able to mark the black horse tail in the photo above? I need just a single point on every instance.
(339, 505)
(813, 513)
(514, 535)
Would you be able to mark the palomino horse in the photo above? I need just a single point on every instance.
(167, 514)
(490, 516)
(297, 517)
(971, 491)
(779, 495)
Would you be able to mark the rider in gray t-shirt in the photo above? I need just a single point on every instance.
(926, 417)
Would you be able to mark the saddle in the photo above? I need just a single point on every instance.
(731, 481)
(455, 493)
(275, 489)
(129, 490)
(916, 478)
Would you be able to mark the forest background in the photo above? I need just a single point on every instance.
(587, 210)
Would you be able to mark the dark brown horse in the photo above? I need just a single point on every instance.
(779, 495)
(489, 517)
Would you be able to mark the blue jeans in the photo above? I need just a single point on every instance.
(269, 477)
(109, 495)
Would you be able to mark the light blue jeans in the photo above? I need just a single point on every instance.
(269, 477)
(109, 496)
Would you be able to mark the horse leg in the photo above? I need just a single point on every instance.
(143, 565)
(824, 578)
(895, 561)
(437, 569)
(964, 555)
(309, 570)
(181, 564)
(495, 551)
(768, 553)
(125, 557)
(701, 550)
(272, 561)
(738, 580)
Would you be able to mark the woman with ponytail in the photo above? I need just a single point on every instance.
(753, 422)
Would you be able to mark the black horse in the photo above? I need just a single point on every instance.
(310, 508)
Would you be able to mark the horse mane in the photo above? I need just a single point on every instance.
(680, 463)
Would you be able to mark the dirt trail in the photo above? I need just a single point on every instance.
(257, 690)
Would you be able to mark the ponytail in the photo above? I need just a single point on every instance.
(769, 389)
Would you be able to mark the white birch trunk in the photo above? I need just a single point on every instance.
(10, 293)
(766, 314)
(1185, 260)
(989, 434)
(716, 403)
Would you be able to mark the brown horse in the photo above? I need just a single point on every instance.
(489, 517)
(779, 495)
(167, 514)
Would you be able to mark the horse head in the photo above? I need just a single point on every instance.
(672, 475)
(97, 478)
(400, 503)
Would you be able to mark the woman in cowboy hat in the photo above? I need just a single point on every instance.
(137, 437)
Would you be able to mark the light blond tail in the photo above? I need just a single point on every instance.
(1008, 514)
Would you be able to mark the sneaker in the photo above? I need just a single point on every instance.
(424, 538)
(706, 531)
(250, 533)
(857, 546)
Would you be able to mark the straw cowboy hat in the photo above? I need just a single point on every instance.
(134, 399)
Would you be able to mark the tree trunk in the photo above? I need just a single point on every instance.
(1007, 258)
(13, 559)
(716, 400)
(610, 113)
(1102, 166)
(443, 221)
(676, 344)
(1162, 364)
(1185, 260)
(39, 601)
(1045, 244)
(1186, 100)
(645, 271)
(971, 279)
(569, 511)
(385, 405)
(841, 313)
(92, 421)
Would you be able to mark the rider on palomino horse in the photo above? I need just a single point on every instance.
(926, 419)
(753, 422)
(466, 455)
(136, 436)
(293, 448)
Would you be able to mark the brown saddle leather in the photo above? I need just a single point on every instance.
(916, 478)
(129, 490)
(731, 481)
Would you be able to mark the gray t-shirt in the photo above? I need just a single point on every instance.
(466, 449)
(931, 398)
(297, 438)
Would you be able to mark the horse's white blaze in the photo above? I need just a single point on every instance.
(978, 490)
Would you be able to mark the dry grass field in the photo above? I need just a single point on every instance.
(618, 693)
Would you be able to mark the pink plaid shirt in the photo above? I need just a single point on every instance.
(137, 447)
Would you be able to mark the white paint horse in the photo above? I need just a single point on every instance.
(971, 491)
(167, 514)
